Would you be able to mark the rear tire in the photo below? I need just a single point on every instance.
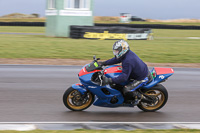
(73, 100)
(160, 93)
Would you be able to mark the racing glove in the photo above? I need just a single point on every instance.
(106, 81)
(102, 63)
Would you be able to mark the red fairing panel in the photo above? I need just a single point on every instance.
(84, 72)
(160, 70)
(116, 69)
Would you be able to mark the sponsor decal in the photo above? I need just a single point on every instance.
(119, 68)
(107, 35)
(161, 77)
(96, 64)
(92, 87)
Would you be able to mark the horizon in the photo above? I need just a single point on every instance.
(96, 16)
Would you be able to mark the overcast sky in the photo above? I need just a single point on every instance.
(152, 9)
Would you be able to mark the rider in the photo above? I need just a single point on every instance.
(133, 68)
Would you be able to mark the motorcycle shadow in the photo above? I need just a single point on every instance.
(115, 115)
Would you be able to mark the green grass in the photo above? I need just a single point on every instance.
(107, 131)
(175, 49)
(176, 33)
(22, 29)
(102, 20)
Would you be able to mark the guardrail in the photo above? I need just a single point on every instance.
(42, 24)
(153, 26)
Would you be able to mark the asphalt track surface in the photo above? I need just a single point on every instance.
(31, 93)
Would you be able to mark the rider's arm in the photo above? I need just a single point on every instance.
(126, 71)
(112, 61)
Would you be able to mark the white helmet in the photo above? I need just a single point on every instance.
(120, 48)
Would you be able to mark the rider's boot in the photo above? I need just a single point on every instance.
(137, 96)
(132, 95)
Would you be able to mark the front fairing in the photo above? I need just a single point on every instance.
(85, 76)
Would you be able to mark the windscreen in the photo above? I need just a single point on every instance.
(92, 66)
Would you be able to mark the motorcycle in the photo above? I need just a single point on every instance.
(91, 90)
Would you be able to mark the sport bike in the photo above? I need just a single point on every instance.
(91, 90)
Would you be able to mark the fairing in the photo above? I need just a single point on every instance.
(102, 99)
(79, 87)
(159, 75)
(85, 76)
(113, 71)
(110, 72)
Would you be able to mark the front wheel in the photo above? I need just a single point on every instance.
(159, 95)
(74, 101)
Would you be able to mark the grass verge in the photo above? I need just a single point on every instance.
(170, 46)
(22, 29)
(108, 19)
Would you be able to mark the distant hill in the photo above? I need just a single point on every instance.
(20, 15)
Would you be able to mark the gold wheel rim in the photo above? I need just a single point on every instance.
(76, 107)
(160, 100)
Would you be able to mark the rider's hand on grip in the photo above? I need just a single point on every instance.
(102, 63)
(106, 81)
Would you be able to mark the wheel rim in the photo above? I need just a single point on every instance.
(158, 95)
(75, 102)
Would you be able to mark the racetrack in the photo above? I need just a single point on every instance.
(34, 94)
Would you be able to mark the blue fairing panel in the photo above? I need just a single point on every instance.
(103, 99)
(156, 80)
(86, 79)
(79, 87)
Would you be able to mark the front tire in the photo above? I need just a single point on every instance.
(159, 93)
(74, 101)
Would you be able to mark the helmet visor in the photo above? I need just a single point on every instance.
(115, 52)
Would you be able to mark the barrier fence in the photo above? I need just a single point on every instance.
(110, 31)
(42, 24)
(153, 26)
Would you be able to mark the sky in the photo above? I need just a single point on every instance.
(147, 9)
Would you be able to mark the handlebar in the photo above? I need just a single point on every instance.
(94, 65)
(95, 59)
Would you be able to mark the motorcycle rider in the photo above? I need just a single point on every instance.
(133, 68)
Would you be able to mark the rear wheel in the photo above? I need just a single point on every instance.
(159, 96)
(74, 101)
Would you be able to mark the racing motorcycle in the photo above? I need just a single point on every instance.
(91, 90)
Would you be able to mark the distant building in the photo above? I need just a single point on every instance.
(125, 17)
(61, 14)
